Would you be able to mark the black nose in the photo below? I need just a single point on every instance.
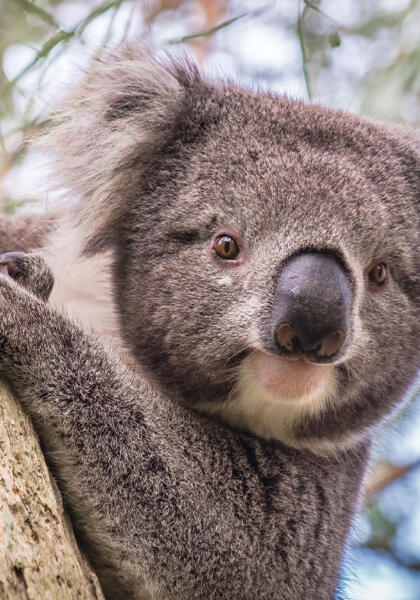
(312, 307)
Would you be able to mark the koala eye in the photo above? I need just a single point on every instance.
(378, 274)
(225, 247)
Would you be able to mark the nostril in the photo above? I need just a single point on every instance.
(289, 338)
(285, 336)
(331, 344)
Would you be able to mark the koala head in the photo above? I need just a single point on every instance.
(266, 252)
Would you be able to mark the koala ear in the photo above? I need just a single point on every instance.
(121, 114)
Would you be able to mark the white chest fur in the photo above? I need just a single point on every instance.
(83, 285)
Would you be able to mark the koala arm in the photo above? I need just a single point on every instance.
(89, 413)
(167, 503)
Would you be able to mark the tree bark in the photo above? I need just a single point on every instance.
(39, 557)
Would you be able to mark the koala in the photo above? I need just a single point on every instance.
(235, 309)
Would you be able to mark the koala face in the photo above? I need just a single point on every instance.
(266, 255)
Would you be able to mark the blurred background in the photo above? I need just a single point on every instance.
(362, 56)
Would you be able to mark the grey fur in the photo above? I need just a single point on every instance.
(30, 270)
(169, 503)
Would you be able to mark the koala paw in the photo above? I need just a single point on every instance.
(29, 270)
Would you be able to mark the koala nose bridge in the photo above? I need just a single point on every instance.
(311, 313)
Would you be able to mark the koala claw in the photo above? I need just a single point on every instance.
(11, 260)
(30, 271)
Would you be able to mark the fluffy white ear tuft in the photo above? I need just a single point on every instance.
(122, 113)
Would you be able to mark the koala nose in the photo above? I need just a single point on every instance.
(312, 307)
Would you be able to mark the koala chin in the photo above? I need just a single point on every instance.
(235, 309)
(272, 394)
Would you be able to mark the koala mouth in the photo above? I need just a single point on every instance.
(291, 379)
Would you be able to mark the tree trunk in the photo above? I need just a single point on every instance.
(39, 557)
